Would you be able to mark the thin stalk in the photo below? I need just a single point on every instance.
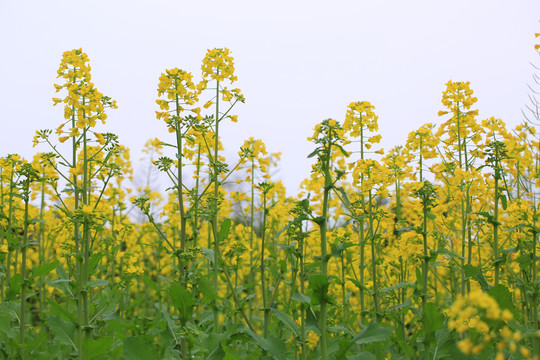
(266, 308)
(23, 266)
(252, 230)
(195, 225)
(425, 268)
(302, 291)
(10, 221)
(373, 258)
(180, 190)
(86, 235)
(215, 211)
(496, 227)
(324, 261)
(41, 240)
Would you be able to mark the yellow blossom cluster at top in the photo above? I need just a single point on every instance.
(457, 96)
(83, 104)
(180, 90)
(360, 115)
(218, 65)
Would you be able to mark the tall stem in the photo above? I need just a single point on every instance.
(373, 257)
(266, 308)
(496, 227)
(324, 260)
(216, 194)
(23, 266)
(425, 280)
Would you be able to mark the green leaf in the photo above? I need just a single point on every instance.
(370, 334)
(476, 274)
(217, 354)
(343, 346)
(57, 309)
(401, 285)
(311, 321)
(313, 153)
(151, 283)
(94, 261)
(301, 298)
(208, 254)
(503, 201)
(63, 331)
(97, 283)
(364, 355)
(10, 238)
(136, 348)
(45, 269)
(319, 289)
(287, 321)
(208, 291)
(419, 284)
(442, 343)
(275, 346)
(344, 196)
(63, 282)
(11, 308)
(182, 300)
(431, 216)
(97, 348)
(7, 328)
(503, 297)
(172, 327)
(433, 319)
(374, 332)
(346, 154)
(36, 220)
(14, 286)
(224, 229)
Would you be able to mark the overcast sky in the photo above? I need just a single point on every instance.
(298, 63)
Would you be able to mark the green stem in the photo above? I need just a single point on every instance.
(425, 280)
(23, 266)
(373, 258)
(263, 284)
(324, 261)
(215, 211)
(496, 227)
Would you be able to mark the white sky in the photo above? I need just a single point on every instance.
(298, 62)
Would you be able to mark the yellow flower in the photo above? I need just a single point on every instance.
(4, 248)
(312, 340)
(132, 269)
(87, 209)
(465, 346)
(524, 352)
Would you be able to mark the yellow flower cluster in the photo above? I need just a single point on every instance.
(424, 141)
(359, 116)
(472, 311)
(218, 65)
(180, 90)
(312, 340)
(479, 312)
(457, 95)
(84, 104)
(370, 175)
